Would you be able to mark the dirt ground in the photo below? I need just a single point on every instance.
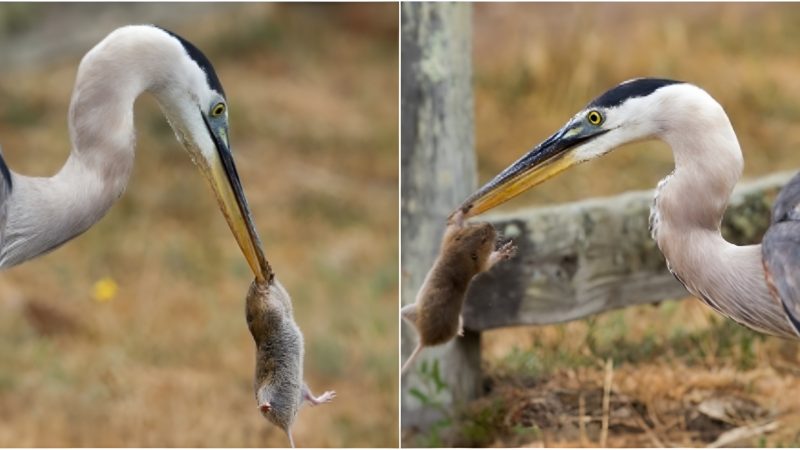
(705, 383)
(667, 375)
(680, 375)
(134, 333)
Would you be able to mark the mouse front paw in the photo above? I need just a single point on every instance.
(506, 251)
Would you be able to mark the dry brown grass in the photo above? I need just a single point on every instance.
(535, 66)
(169, 361)
(669, 361)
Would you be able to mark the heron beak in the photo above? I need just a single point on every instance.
(549, 158)
(224, 179)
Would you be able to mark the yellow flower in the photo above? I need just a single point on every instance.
(104, 290)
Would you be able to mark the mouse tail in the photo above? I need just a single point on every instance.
(411, 359)
(291, 440)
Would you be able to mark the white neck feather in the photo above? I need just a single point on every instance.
(687, 212)
(43, 213)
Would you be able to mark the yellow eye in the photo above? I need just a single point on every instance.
(594, 117)
(218, 110)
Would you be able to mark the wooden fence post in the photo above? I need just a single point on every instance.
(438, 172)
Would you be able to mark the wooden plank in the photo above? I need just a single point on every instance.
(583, 258)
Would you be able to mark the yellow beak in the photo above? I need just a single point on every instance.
(220, 171)
(494, 194)
(233, 205)
(544, 161)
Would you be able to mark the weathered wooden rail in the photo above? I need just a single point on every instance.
(587, 257)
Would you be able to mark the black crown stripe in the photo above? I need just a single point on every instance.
(201, 60)
(640, 87)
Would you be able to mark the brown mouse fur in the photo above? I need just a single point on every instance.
(466, 251)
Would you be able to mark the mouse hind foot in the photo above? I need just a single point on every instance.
(409, 312)
(326, 397)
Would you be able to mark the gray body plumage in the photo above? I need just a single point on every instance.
(5, 191)
(781, 250)
(279, 352)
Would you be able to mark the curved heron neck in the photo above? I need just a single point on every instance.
(687, 213)
(45, 212)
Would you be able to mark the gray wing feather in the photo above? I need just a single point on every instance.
(5, 192)
(780, 251)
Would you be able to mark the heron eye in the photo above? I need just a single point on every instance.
(218, 110)
(594, 117)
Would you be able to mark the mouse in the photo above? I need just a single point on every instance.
(279, 386)
(466, 251)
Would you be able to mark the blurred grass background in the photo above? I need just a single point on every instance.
(168, 361)
(535, 65)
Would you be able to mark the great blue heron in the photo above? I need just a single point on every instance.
(39, 214)
(685, 218)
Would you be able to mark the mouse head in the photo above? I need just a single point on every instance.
(474, 241)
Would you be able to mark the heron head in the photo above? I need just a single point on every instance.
(195, 105)
(625, 113)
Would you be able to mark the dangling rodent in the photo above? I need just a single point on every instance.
(279, 385)
(466, 251)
